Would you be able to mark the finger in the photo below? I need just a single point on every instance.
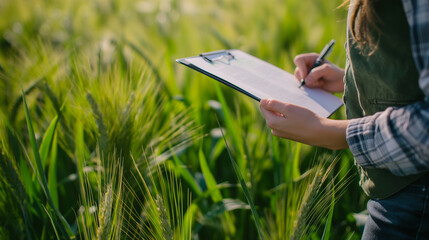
(269, 114)
(274, 106)
(272, 119)
(316, 76)
(286, 109)
(304, 62)
(297, 74)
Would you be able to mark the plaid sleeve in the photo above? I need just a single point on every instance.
(398, 138)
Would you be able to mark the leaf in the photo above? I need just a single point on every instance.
(221, 207)
(52, 221)
(18, 101)
(232, 129)
(210, 181)
(13, 140)
(80, 158)
(46, 144)
(65, 229)
(245, 189)
(218, 209)
(295, 161)
(48, 90)
(328, 225)
(216, 151)
(40, 173)
(27, 180)
(52, 173)
(18, 196)
(187, 221)
(186, 175)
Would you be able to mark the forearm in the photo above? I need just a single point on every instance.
(333, 134)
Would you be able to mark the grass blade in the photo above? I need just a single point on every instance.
(328, 225)
(222, 207)
(15, 194)
(232, 129)
(52, 221)
(210, 181)
(186, 175)
(39, 167)
(48, 91)
(46, 144)
(187, 221)
(52, 172)
(245, 189)
(295, 162)
(18, 101)
(62, 224)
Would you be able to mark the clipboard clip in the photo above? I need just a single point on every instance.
(217, 56)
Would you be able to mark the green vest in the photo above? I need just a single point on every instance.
(386, 78)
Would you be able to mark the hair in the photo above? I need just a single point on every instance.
(364, 23)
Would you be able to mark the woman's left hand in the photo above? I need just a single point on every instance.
(300, 124)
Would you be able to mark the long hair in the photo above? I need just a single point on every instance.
(364, 24)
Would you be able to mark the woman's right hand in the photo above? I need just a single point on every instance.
(327, 76)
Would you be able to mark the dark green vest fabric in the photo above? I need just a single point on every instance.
(386, 78)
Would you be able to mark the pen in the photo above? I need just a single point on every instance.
(325, 51)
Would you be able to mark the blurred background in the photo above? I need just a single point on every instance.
(105, 136)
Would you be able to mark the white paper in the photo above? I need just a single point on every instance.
(265, 80)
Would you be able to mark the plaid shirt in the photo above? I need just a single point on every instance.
(398, 138)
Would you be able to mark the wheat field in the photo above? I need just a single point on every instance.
(104, 136)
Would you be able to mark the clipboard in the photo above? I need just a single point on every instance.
(259, 79)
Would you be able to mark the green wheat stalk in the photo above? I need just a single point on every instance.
(307, 202)
(165, 223)
(105, 215)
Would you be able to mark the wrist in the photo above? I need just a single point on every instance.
(333, 134)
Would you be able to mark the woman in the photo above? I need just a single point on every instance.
(386, 94)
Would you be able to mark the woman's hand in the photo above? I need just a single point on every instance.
(300, 124)
(326, 76)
